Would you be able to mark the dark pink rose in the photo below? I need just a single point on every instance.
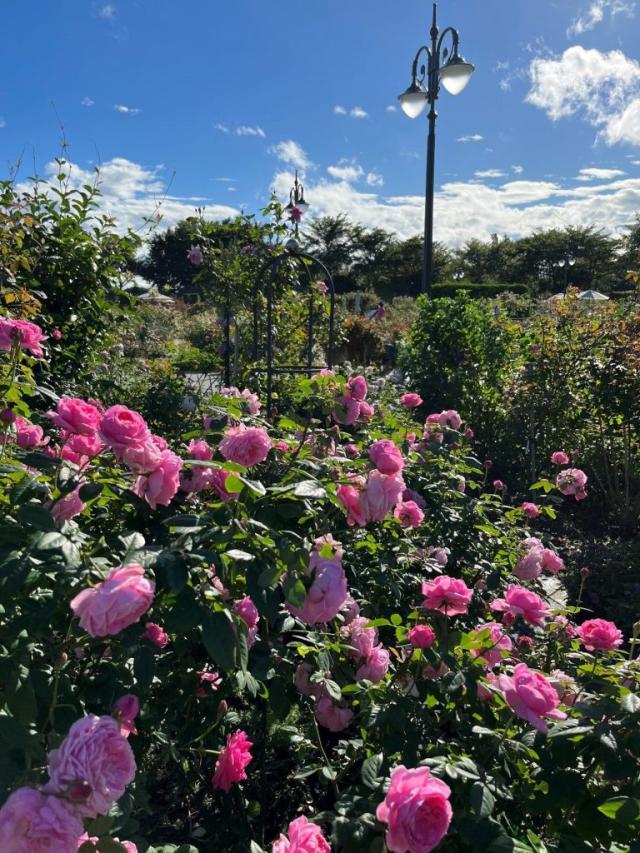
(7, 416)
(411, 400)
(304, 837)
(155, 634)
(95, 754)
(386, 456)
(121, 428)
(33, 822)
(332, 716)
(351, 450)
(248, 612)
(531, 510)
(247, 446)
(421, 636)
(447, 595)
(357, 388)
(599, 635)
(75, 416)
(125, 711)
(232, 761)
(519, 601)
(119, 601)
(531, 696)
(366, 412)
(416, 810)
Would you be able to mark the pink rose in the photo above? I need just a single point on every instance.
(248, 612)
(483, 692)
(125, 710)
(599, 635)
(27, 435)
(67, 507)
(386, 456)
(232, 761)
(325, 596)
(121, 428)
(559, 457)
(375, 666)
(450, 418)
(162, 484)
(416, 810)
(245, 445)
(213, 679)
(351, 497)
(530, 509)
(346, 411)
(498, 485)
(75, 416)
(351, 450)
(493, 646)
(531, 696)
(447, 595)
(142, 458)
(434, 674)
(519, 601)
(83, 445)
(357, 388)
(304, 837)
(410, 495)
(199, 449)
(350, 610)
(572, 481)
(382, 492)
(251, 401)
(530, 566)
(469, 433)
(195, 255)
(129, 846)
(366, 412)
(332, 716)
(95, 754)
(111, 606)
(155, 634)
(421, 637)
(551, 562)
(360, 636)
(28, 335)
(439, 555)
(33, 822)
(302, 682)
(411, 400)
(409, 514)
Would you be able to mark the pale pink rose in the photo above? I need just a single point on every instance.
(386, 456)
(251, 401)
(531, 542)
(195, 255)
(121, 428)
(360, 637)
(410, 495)
(367, 411)
(432, 429)
(199, 449)
(304, 837)
(375, 666)
(531, 510)
(350, 610)
(564, 685)
(493, 645)
(357, 388)
(67, 507)
(483, 692)
(212, 679)
(119, 601)
(28, 335)
(599, 635)
(530, 566)
(332, 716)
(142, 458)
(245, 445)
(155, 634)
(83, 445)
(382, 492)
(346, 411)
(416, 810)
(572, 481)
(461, 483)
(125, 711)
(411, 400)
(434, 674)
(551, 562)
(409, 514)
(531, 696)
(559, 457)
(95, 754)
(321, 286)
(248, 612)
(160, 486)
(469, 433)
(325, 596)
(519, 601)
(439, 555)
(302, 682)
(447, 595)
(75, 416)
(27, 435)
(421, 636)
(499, 486)
(232, 761)
(450, 418)
(351, 497)
(33, 822)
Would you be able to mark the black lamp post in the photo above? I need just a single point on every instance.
(297, 206)
(441, 66)
(566, 263)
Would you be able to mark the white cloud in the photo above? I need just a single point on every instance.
(473, 137)
(517, 170)
(339, 111)
(346, 171)
(121, 108)
(131, 193)
(374, 179)
(594, 14)
(108, 11)
(244, 130)
(603, 88)
(391, 109)
(231, 189)
(2, 123)
(291, 153)
(87, 102)
(599, 174)
(490, 173)
(225, 180)
(358, 112)
(221, 127)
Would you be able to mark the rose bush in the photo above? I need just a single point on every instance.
(268, 650)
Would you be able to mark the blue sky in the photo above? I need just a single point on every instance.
(546, 133)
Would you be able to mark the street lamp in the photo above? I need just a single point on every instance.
(297, 206)
(440, 66)
(566, 263)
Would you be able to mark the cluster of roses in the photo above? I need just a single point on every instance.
(351, 406)
(570, 481)
(535, 559)
(88, 773)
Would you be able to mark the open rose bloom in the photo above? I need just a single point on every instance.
(416, 810)
(531, 696)
(119, 601)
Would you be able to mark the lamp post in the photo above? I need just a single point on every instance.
(440, 66)
(297, 206)
(566, 263)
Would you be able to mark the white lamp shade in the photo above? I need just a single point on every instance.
(302, 206)
(455, 75)
(413, 102)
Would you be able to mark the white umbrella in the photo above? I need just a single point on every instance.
(594, 295)
(556, 297)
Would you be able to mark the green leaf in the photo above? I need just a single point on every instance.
(35, 515)
(623, 810)
(631, 703)
(240, 556)
(219, 638)
(90, 491)
(482, 800)
(294, 591)
(309, 489)
(144, 666)
(370, 772)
